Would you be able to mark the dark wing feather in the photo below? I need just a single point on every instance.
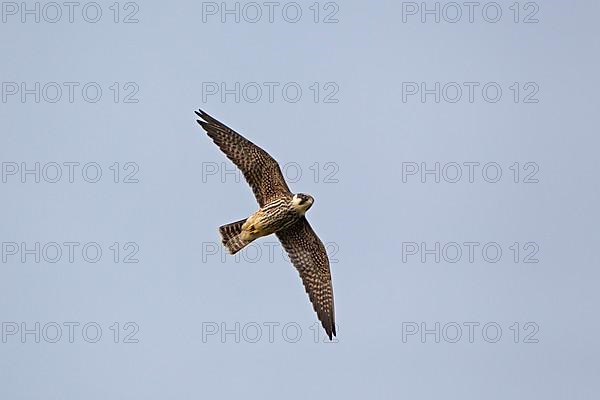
(308, 255)
(260, 169)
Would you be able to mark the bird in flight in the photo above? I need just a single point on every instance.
(281, 212)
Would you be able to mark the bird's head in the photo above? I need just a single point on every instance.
(302, 202)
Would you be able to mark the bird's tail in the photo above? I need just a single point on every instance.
(230, 233)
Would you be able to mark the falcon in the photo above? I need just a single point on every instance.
(281, 212)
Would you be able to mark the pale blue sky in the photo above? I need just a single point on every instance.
(351, 146)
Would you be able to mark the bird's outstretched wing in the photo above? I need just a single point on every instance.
(260, 169)
(308, 255)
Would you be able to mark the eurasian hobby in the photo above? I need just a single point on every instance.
(281, 212)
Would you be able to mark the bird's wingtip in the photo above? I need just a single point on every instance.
(204, 115)
(330, 330)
